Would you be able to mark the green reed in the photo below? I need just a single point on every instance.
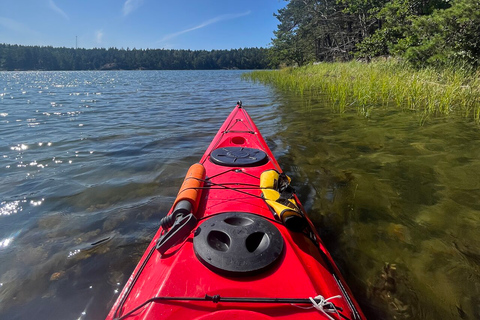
(380, 83)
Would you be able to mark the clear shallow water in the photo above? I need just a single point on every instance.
(91, 161)
(398, 204)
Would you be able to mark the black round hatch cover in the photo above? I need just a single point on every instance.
(238, 157)
(238, 243)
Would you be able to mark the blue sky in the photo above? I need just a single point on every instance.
(173, 24)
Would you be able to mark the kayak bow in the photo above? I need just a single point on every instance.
(237, 243)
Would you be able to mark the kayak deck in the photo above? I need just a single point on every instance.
(238, 250)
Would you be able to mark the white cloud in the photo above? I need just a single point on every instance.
(55, 8)
(206, 23)
(130, 5)
(99, 36)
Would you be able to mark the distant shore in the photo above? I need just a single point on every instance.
(36, 58)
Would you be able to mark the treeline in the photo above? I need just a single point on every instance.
(423, 32)
(16, 57)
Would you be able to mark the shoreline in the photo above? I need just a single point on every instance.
(381, 83)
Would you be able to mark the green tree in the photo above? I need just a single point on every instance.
(394, 19)
(447, 36)
(314, 30)
(14, 57)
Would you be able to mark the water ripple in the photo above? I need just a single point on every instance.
(89, 156)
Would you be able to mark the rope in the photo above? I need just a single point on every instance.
(325, 306)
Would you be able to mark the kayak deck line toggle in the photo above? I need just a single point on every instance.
(180, 230)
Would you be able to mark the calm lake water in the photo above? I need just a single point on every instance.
(91, 161)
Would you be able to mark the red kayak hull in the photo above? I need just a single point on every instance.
(303, 269)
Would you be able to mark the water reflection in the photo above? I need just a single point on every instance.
(5, 242)
(396, 202)
(91, 161)
(11, 207)
(20, 147)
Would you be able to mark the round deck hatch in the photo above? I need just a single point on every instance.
(238, 243)
(238, 157)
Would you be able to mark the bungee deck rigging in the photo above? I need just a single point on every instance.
(237, 236)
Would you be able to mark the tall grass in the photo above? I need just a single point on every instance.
(385, 82)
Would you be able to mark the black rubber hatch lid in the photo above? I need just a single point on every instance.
(238, 157)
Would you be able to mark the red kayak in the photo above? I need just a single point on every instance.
(237, 244)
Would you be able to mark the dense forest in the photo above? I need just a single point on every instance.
(422, 32)
(15, 57)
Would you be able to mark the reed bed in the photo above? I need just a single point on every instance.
(382, 83)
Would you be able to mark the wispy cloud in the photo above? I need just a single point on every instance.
(99, 36)
(206, 23)
(55, 8)
(130, 5)
(16, 26)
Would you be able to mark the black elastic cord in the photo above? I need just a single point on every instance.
(229, 170)
(217, 298)
(224, 187)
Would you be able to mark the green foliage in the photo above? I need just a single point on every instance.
(14, 57)
(395, 18)
(426, 33)
(448, 36)
(378, 44)
(366, 12)
(313, 30)
(289, 44)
